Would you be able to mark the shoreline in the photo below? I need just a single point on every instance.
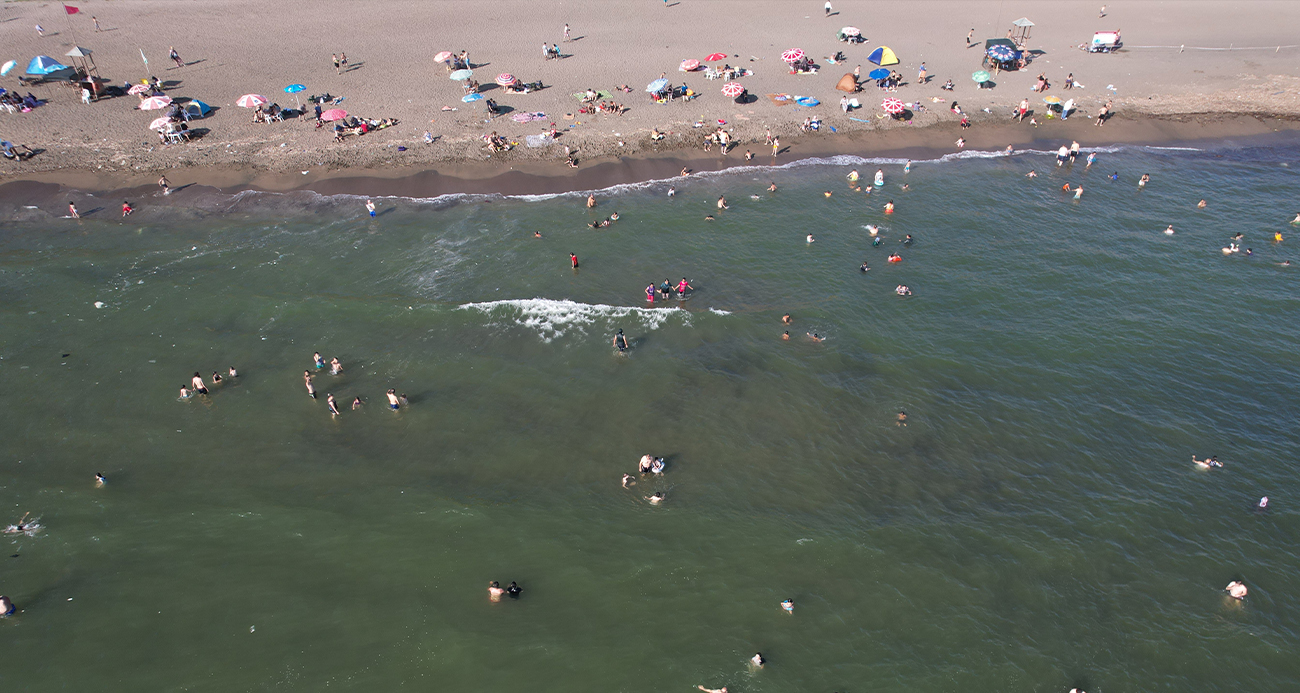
(531, 177)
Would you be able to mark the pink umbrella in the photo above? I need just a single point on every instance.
(892, 106)
(689, 64)
(442, 57)
(159, 123)
(154, 103)
(733, 89)
(714, 57)
(505, 79)
(252, 101)
(793, 55)
(334, 114)
(139, 89)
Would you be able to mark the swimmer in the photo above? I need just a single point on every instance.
(816, 337)
(672, 191)
(1114, 176)
(233, 372)
(902, 290)
(904, 187)
(1066, 187)
(591, 201)
(650, 293)
(1238, 236)
(811, 239)
(513, 589)
(1296, 220)
(853, 175)
(613, 217)
(197, 383)
(1078, 192)
(1284, 263)
(873, 229)
(370, 207)
(722, 202)
(620, 341)
(1142, 182)
(100, 480)
(495, 591)
(876, 241)
(393, 402)
(573, 260)
(1249, 251)
(712, 690)
(708, 217)
(356, 403)
(185, 393)
(1169, 231)
(330, 404)
(18, 527)
(895, 257)
(787, 319)
(827, 193)
(788, 605)
(1200, 205)
(657, 466)
(1277, 236)
(335, 366)
(320, 362)
(1263, 503)
(402, 398)
(902, 418)
(1092, 156)
(907, 240)
(537, 234)
(786, 335)
(683, 285)
(643, 466)
(889, 207)
(864, 268)
(879, 180)
(772, 188)
(7, 608)
(306, 378)
(655, 498)
(628, 481)
(757, 659)
(1236, 590)
(216, 378)
(1031, 174)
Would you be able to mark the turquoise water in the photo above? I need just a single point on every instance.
(1037, 525)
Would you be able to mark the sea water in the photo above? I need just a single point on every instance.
(1037, 524)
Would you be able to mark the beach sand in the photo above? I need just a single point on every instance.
(1166, 85)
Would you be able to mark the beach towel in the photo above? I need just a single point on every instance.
(539, 140)
(781, 99)
(528, 117)
(602, 94)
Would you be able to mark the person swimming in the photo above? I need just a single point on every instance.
(1078, 192)
(7, 608)
(757, 660)
(907, 240)
(1263, 503)
(1169, 231)
(902, 418)
(787, 319)
(185, 393)
(356, 403)
(902, 290)
(788, 605)
(1236, 590)
(216, 378)
(895, 257)
(876, 241)
(879, 180)
(1032, 174)
(889, 207)
(816, 337)
(657, 466)
(100, 480)
(811, 239)
(873, 229)
(853, 175)
(620, 340)
(827, 193)
(655, 498)
(335, 366)
(786, 335)
(1201, 204)
(1114, 176)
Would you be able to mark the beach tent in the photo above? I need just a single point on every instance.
(883, 55)
(196, 108)
(847, 83)
(44, 65)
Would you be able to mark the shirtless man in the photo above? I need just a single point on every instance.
(197, 383)
(495, 591)
(333, 407)
(335, 366)
(306, 379)
(393, 402)
(591, 201)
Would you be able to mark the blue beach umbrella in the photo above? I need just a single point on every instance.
(471, 98)
(656, 85)
(878, 73)
(294, 89)
(1001, 53)
(9, 65)
(44, 65)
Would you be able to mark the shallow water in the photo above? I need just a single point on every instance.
(1037, 525)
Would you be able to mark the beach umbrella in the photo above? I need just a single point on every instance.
(715, 57)
(733, 89)
(196, 108)
(505, 79)
(252, 101)
(7, 67)
(138, 89)
(44, 65)
(656, 85)
(883, 55)
(462, 75)
(689, 64)
(159, 123)
(471, 98)
(1052, 99)
(847, 83)
(878, 73)
(793, 55)
(154, 103)
(333, 114)
(851, 31)
(295, 88)
(1001, 52)
(980, 76)
(442, 57)
(892, 106)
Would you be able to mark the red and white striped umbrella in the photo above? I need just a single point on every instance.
(733, 89)
(252, 101)
(715, 57)
(505, 79)
(154, 103)
(159, 123)
(689, 64)
(139, 89)
(442, 57)
(792, 56)
(892, 106)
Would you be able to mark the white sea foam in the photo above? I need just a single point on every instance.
(551, 319)
(719, 311)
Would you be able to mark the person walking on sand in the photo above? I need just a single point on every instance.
(828, 8)
(40, 31)
(920, 76)
(343, 59)
(969, 37)
(776, 146)
(1020, 112)
(96, 23)
(338, 67)
(566, 33)
(176, 57)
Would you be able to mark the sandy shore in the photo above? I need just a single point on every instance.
(1167, 85)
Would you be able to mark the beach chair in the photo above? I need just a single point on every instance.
(712, 73)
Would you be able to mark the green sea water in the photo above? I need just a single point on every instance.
(1037, 525)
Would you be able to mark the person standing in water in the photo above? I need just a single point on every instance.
(356, 403)
(393, 402)
(650, 293)
(320, 362)
(573, 260)
(166, 187)
(682, 286)
(879, 180)
(329, 402)
(72, 211)
(197, 383)
(620, 341)
(1142, 182)
(1078, 192)
(335, 366)
(370, 207)
(311, 389)
(1092, 156)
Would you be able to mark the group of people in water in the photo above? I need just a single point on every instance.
(198, 387)
(395, 401)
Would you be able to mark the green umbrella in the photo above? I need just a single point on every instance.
(981, 76)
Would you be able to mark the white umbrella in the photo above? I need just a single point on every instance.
(154, 103)
(159, 123)
(139, 89)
